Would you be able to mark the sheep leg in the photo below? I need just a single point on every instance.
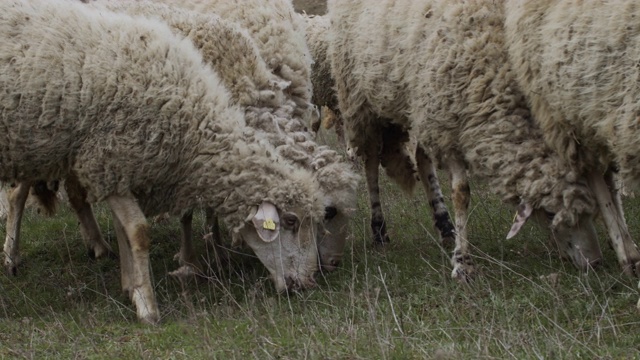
(463, 268)
(610, 208)
(136, 242)
(431, 184)
(125, 255)
(372, 164)
(96, 246)
(17, 199)
(220, 254)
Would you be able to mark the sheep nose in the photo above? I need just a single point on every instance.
(299, 284)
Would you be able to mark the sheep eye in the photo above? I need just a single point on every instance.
(550, 215)
(289, 221)
(330, 212)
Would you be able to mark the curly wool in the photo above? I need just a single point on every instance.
(432, 67)
(137, 114)
(279, 34)
(577, 63)
(233, 54)
(317, 29)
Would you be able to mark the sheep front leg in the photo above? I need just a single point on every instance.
(134, 249)
(372, 164)
(96, 246)
(431, 184)
(463, 268)
(17, 199)
(611, 210)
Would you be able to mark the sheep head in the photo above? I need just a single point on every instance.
(285, 242)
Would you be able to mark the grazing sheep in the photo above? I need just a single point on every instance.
(577, 62)
(279, 34)
(324, 95)
(438, 69)
(129, 109)
(230, 51)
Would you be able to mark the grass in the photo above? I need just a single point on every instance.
(394, 303)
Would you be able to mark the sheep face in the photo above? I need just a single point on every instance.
(332, 237)
(285, 242)
(577, 242)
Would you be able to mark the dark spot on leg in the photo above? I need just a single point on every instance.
(446, 228)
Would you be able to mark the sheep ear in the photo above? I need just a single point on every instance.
(522, 214)
(267, 222)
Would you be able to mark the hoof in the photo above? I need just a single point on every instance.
(12, 270)
(11, 266)
(381, 239)
(185, 272)
(463, 274)
(463, 268)
(632, 269)
(150, 320)
(98, 252)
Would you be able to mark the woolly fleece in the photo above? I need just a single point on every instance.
(139, 114)
(577, 61)
(279, 34)
(441, 69)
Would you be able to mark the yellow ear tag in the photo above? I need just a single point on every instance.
(269, 224)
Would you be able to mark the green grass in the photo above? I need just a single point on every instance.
(394, 303)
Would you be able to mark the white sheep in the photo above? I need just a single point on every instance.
(439, 70)
(129, 108)
(279, 35)
(577, 62)
(317, 31)
(230, 51)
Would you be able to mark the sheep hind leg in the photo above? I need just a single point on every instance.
(96, 246)
(187, 256)
(17, 199)
(441, 219)
(134, 243)
(220, 253)
(378, 224)
(463, 268)
(611, 210)
(124, 249)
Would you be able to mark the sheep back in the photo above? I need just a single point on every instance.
(577, 63)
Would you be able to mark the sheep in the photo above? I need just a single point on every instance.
(577, 64)
(130, 110)
(438, 70)
(279, 35)
(230, 51)
(324, 95)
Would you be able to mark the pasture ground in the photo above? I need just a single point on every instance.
(393, 303)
